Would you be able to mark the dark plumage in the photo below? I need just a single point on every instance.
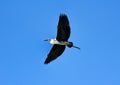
(63, 33)
(56, 51)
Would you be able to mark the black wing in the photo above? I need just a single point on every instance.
(63, 32)
(56, 51)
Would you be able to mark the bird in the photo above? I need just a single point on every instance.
(61, 40)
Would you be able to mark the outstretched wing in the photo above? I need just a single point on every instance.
(63, 32)
(56, 51)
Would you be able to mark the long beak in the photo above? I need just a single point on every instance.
(76, 47)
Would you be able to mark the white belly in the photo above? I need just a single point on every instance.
(54, 41)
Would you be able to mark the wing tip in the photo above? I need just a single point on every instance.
(63, 15)
(46, 61)
(63, 20)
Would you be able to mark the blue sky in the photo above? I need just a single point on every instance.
(95, 28)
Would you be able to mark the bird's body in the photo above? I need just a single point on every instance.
(54, 41)
(61, 41)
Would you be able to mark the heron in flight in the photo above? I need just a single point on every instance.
(61, 40)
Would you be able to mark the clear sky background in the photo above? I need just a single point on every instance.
(95, 27)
